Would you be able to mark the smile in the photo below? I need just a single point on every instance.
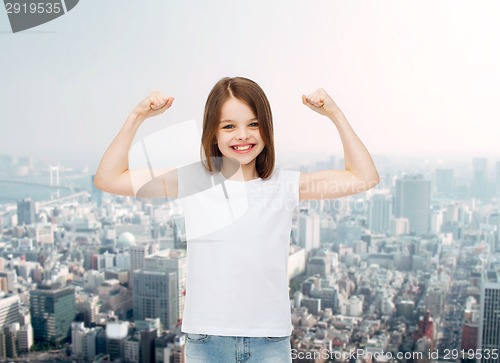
(242, 147)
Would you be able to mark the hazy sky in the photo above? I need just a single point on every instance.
(411, 77)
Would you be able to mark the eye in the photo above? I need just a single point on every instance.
(228, 127)
(254, 124)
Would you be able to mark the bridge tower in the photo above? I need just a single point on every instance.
(54, 179)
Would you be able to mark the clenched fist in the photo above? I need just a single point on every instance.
(154, 104)
(321, 102)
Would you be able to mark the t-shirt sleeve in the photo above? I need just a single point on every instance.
(291, 179)
(192, 179)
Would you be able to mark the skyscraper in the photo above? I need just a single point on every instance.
(412, 200)
(309, 231)
(480, 178)
(155, 295)
(9, 310)
(489, 319)
(494, 220)
(25, 211)
(52, 311)
(116, 335)
(172, 260)
(138, 253)
(444, 182)
(379, 213)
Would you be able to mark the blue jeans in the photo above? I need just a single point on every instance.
(203, 348)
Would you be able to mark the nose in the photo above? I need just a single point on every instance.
(242, 134)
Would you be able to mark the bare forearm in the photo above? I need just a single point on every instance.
(357, 158)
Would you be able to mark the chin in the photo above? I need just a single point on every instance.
(244, 161)
(240, 160)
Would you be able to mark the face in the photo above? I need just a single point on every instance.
(238, 135)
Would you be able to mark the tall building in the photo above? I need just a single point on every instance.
(131, 349)
(83, 342)
(9, 310)
(8, 279)
(309, 231)
(412, 200)
(25, 211)
(469, 335)
(480, 178)
(489, 319)
(172, 260)
(25, 338)
(155, 295)
(444, 182)
(88, 306)
(122, 260)
(434, 300)
(116, 335)
(494, 220)
(147, 345)
(3, 347)
(77, 339)
(425, 329)
(10, 340)
(52, 311)
(139, 252)
(379, 213)
(437, 220)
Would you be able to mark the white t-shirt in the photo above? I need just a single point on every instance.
(238, 236)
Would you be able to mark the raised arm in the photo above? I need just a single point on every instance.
(360, 173)
(113, 174)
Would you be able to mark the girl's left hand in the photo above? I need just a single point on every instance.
(321, 102)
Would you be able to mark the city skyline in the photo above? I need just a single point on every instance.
(411, 78)
(396, 269)
(404, 160)
(358, 271)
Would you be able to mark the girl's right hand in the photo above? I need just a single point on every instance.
(154, 104)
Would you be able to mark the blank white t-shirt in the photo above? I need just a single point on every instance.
(238, 236)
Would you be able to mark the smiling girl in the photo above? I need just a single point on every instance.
(237, 306)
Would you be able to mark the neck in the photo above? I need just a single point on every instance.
(235, 171)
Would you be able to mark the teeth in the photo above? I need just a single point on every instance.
(242, 147)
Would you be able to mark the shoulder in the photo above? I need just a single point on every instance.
(283, 177)
(193, 178)
(287, 181)
(281, 174)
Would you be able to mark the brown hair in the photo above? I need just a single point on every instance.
(250, 93)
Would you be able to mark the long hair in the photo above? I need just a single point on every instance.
(252, 95)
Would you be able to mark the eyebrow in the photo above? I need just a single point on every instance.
(252, 119)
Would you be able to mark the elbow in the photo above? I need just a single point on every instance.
(374, 181)
(99, 183)
(370, 183)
